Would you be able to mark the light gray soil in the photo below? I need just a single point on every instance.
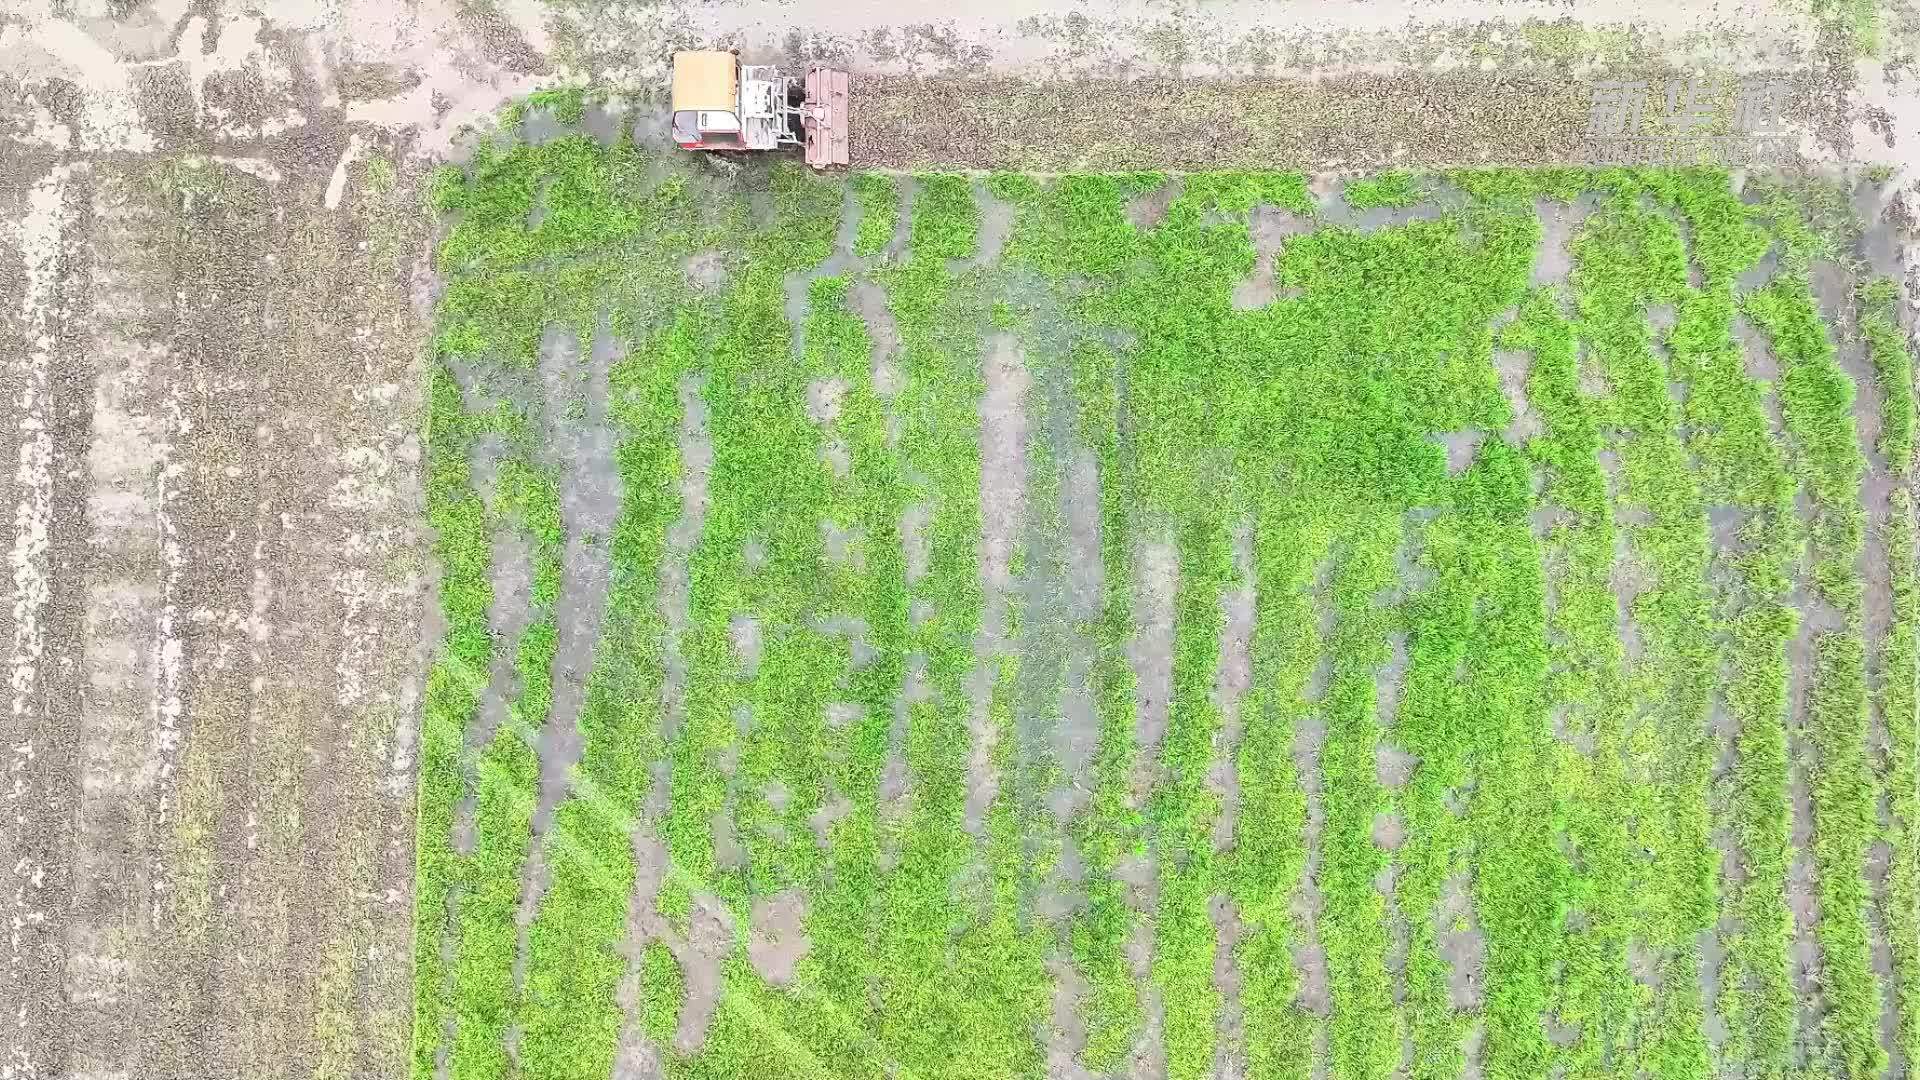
(1234, 676)
(1461, 447)
(511, 576)
(636, 1057)
(1149, 1061)
(1559, 224)
(744, 632)
(1476, 1041)
(1146, 211)
(1227, 978)
(1713, 961)
(709, 940)
(996, 225)
(1156, 576)
(1834, 288)
(1393, 767)
(1801, 896)
(706, 269)
(1514, 366)
(1333, 210)
(896, 248)
(1069, 1029)
(776, 936)
(1077, 737)
(895, 779)
(696, 471)
(1629, 578)
(1003, 497)
(1309, 739)
(1462, 945)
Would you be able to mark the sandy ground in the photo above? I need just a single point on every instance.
(212, 299)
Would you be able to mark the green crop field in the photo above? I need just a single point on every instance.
(993, 626)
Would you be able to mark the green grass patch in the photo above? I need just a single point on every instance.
(1393, 189)
(879, 199)
(1824, 451)
(1564, 777)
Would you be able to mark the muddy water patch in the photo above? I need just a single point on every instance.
(1270, 226)
(582, 453)
(695, 447)
(1156, 577)
(702, 954)
(1233, 677)
(776, 936)
(1802, 897)
(1559, 223)
(1309, 743)
(996, 226)
(1760, 273)
(1003, 496)
(1834, 289)
(579, 447)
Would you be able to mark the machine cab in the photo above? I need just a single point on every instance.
(720, 104)
(706, 101)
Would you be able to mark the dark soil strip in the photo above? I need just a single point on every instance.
(1427, 118)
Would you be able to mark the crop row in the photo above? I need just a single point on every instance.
(1817, 402)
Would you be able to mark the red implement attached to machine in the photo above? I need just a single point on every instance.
(824, 115)
(826, 118)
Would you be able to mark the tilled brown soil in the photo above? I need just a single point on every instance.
(1361, 122)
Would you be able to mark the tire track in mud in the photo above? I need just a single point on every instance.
(1836, 296)
(1232, 680)
(128, 724)
(224, 920)
(238, 846)
(1156, 580)
(46, 412)
(582, 456)
(344, 622)
(1003, 493)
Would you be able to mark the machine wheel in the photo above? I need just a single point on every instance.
(726, 165)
